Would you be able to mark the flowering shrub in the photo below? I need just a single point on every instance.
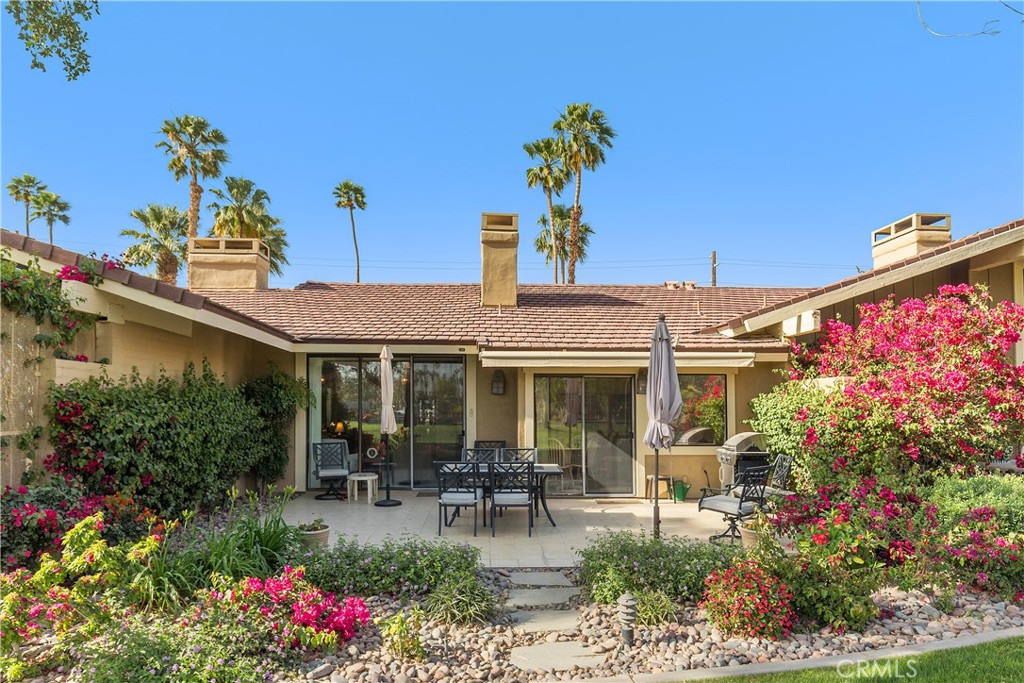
(745, 600)
(288, 608)
(411, 566)
(930, 391)
(625, 560)
(982, 556)
(120, 436)
(954, 497)
(34, 519)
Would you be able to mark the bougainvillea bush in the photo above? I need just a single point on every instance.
(746, 600)
(929, 389)
(173, 445)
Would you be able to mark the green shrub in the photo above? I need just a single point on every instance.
(174, 445)
(955, 497)
(653, 608)
(625, 560)
(461, 599)
(410, 566)
(276, 397)
(401, 634)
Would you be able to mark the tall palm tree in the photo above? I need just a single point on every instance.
(351, 196)
(550, 174)
(51, 208)
(23, 189)
(163, 240)
(244, 213)
(584, 133)
(561, 233)
(195, 150)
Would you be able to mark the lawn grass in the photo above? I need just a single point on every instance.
(1001, 661)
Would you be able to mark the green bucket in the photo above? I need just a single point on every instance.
(680, 490)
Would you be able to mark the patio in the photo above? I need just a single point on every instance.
(578, 519)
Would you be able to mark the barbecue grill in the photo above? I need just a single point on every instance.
(740, 453)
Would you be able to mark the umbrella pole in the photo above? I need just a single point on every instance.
(657, 496)
(388, 502)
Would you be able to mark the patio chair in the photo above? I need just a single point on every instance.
(458, 486)
(512, 485)
(331, 464)
(777, 479)
(489, 443)
(481, 454)
(735, 509)
(518, 455)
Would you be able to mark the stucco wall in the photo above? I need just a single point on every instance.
(496, 416)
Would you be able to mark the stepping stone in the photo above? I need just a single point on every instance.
(544, 620)
(554, 657)
(540, 579)
(538, 597)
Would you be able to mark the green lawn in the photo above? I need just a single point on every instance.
(998, 662)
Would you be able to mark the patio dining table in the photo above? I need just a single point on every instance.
(541, 471)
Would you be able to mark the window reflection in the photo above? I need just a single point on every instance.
(702, 418)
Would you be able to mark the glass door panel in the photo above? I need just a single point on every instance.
(559, 429)
(371, 436)
(608, 435)
(337, 417)
(438, 424)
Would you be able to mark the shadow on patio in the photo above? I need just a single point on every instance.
(578, 520)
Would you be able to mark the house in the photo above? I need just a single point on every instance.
(558, 368)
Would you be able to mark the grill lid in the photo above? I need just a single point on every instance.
(744, 442)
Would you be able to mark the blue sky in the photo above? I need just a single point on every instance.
(778, 134)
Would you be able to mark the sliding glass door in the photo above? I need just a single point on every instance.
(429, 402)
(585, 424)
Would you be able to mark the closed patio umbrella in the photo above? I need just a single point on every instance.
(388, 425)
(663, 402)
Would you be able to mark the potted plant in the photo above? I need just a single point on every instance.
(314, 534)
(753, 529)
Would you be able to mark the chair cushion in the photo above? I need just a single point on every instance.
(328, 472)
(510, 499)
(728, 505)
(461, 497)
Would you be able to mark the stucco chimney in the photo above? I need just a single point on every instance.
(909, 236)
(227, 263)
(499, 248)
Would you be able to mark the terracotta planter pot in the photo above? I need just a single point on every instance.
(315, 539)
(749, 539)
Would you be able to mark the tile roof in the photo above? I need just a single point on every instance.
(555, 317)
(128, 278)
(861, 277)
(576, 317)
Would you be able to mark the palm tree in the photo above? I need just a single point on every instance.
(51, 208)
(550, 174)
(351, 196)
(163, 240)
(244, 213)
(561, 232)
(23, 189)
(195, 150)
(584, 133)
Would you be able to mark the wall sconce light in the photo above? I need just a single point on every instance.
(641, 381)
(498, 383)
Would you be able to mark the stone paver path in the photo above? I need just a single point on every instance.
(540, 597)
(560, 621)
(539, 579)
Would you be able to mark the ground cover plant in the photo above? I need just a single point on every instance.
(409, 566)
(616, 562)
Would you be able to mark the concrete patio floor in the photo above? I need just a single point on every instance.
(578, 520)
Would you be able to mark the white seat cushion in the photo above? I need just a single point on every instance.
(726, 505)
(328, 472)
(462, 497)
(510, 499)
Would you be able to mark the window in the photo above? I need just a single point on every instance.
(701, 421)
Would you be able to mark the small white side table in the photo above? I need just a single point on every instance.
(371, 486)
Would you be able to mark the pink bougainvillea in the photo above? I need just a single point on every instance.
(930, 388)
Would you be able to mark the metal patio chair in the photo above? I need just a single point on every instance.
(735, 509)
(331, 466)
(458, 486)
(512, 485)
